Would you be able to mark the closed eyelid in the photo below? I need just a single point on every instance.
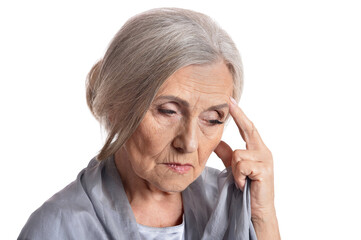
(221, 109)
(186, 104)
(220, 114)
(169, 105)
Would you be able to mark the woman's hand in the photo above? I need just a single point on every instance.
(255, 162)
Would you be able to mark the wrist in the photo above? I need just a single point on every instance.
(264, 214)
(266, 225)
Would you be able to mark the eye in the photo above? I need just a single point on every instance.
(214, 122)
(166, 111)
(213, 118)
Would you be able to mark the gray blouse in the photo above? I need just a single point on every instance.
(95, 206)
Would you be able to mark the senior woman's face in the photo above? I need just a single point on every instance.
(182, 127)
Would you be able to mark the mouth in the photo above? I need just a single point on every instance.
(179, 168)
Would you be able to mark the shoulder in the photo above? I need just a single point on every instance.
(66, 215)
(44, 223)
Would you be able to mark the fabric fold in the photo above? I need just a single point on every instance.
(230, 217)
(95, 206)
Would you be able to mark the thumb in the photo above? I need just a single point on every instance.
(225, 153)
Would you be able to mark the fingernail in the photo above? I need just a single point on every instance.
(233, 100)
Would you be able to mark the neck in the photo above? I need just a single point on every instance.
(150, 205)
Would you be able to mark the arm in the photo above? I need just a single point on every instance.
(256, 163)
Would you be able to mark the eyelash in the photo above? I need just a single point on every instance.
(166, 111)
(214, 122)
(170, 112)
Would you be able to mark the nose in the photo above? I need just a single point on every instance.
(187, 140)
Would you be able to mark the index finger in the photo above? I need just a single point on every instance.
(246, 127)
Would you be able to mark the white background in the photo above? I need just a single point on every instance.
(302, 63)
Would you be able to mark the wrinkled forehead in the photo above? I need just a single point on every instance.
(210, 83)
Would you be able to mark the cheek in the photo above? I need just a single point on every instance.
(209, 143)
(150, 140)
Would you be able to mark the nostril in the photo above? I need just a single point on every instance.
(184, 145)
(180, 150)
(178, 145)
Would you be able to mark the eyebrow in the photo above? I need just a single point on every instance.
(186, 104)
(174, 99)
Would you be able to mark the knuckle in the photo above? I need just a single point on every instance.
(242, 166)
(237, 155)
(267, 154)
(236, 169)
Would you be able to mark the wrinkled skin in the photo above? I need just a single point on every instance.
(184, 125)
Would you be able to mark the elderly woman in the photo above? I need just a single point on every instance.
(163, 91)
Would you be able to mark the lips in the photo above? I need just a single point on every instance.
(179, 168)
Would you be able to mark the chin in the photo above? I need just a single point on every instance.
(174, 187)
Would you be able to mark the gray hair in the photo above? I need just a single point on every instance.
(144, 53)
